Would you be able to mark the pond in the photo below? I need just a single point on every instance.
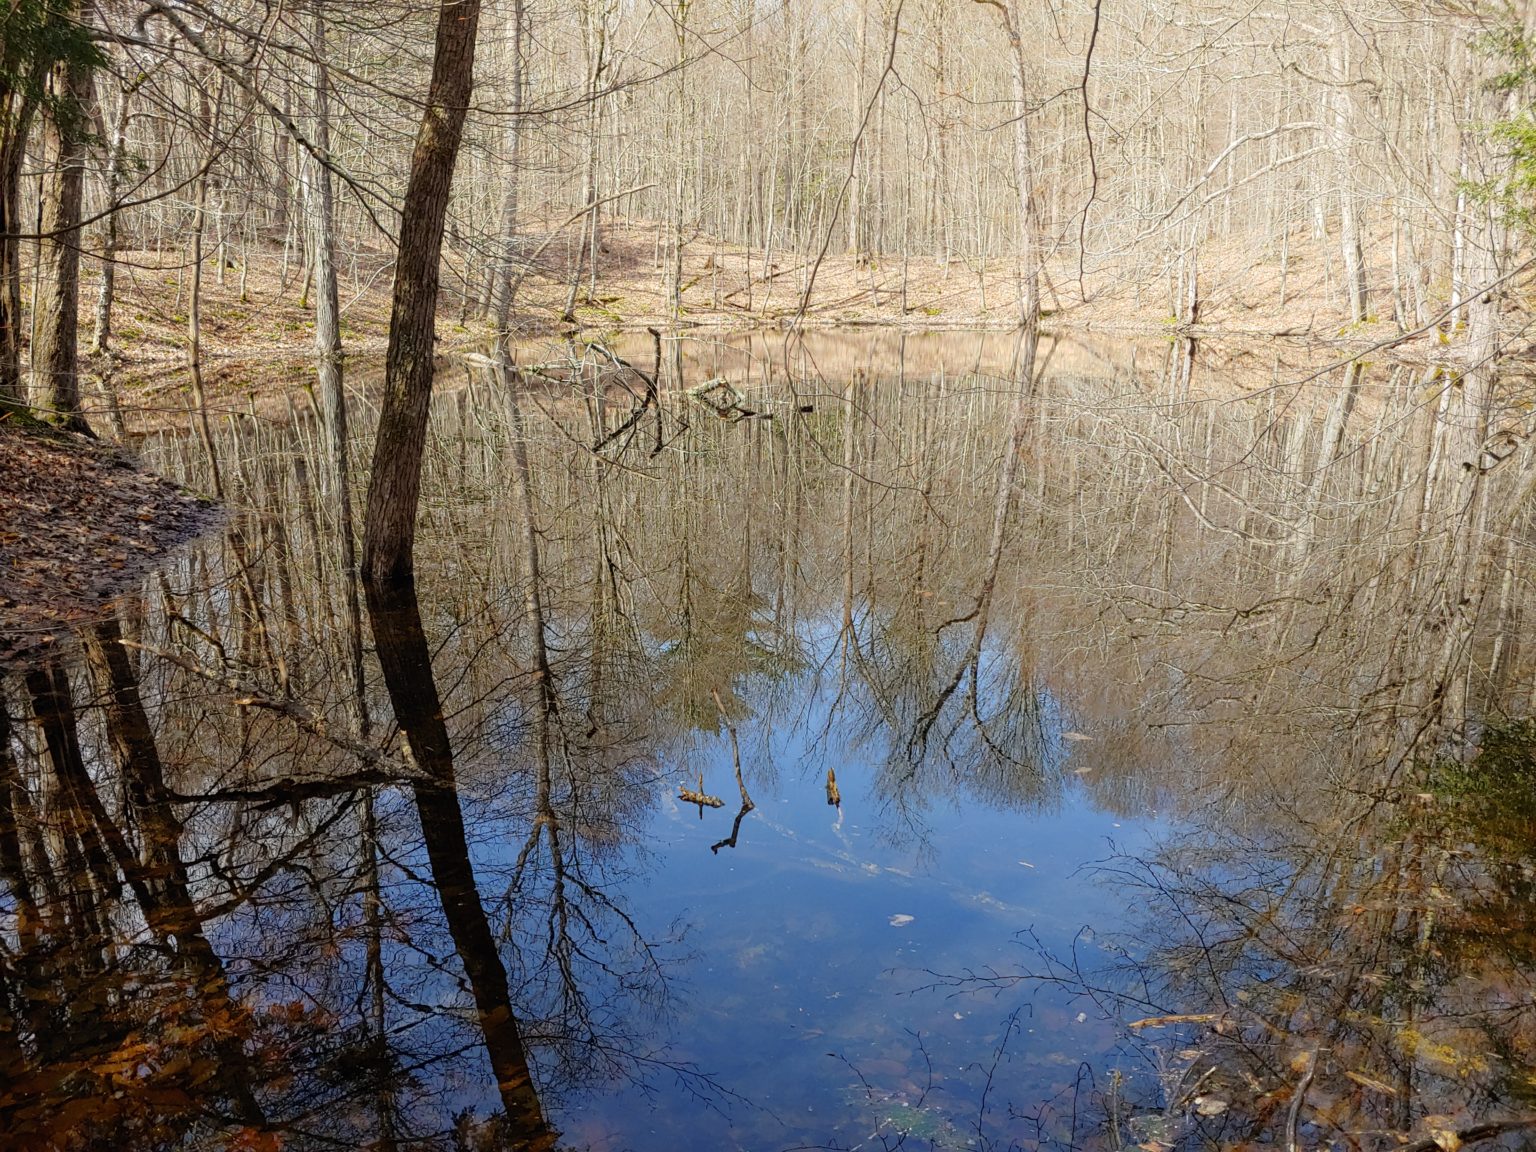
(754, 766)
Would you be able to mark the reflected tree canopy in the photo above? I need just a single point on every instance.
(281, 873)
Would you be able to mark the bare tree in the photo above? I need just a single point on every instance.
(390, 526)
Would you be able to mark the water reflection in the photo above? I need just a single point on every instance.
(406, 662)
(936, 631)
(1346, 970)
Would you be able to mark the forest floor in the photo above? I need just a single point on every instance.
(258, 325)
(81, 523)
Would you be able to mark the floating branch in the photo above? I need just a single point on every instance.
(699, 797)
(722, 398)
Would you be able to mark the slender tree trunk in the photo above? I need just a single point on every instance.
(1024, 183)
(501, 287)
(389, 535)
(328, 351)
(855, 180)
(1341, 130)
(209, 116)
(680, 173)
(596, 31)
(101, 337)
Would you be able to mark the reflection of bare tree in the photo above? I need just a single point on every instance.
(157, 873)
(68, 960)
(407, 665)
(1343, 967)
(1168, 600)
(590, 956)
(980, 615)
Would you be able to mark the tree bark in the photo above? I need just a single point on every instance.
(16, 111)
(1341, 132)
(501, 286)
(209, 115)
(55, 360)
(1024, 183)
(389, 535)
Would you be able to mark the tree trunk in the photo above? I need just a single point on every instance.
(15, 120)
(680, 173)
(101, 337)
(328, 353)
(208, 115)
(55, 359)
(1341, 130)
(1024, 183)
(501, 286)
(855, 183)
(595, 25)
(390, 531)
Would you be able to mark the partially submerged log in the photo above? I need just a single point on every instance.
(699, 796)
(721, 397)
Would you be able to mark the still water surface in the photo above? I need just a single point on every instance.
(1174, 797)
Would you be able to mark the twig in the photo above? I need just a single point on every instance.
(248, 696)
(1093, 164)
(868, 1091)
(1296, 1101)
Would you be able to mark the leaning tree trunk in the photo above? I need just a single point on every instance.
(389, 533)
(55, 360)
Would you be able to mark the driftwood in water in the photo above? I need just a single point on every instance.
(699, 796)
(722, 398)
(741, 784)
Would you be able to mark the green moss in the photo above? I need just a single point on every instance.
(16, 416)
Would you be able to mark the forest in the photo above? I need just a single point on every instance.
(1301, 170)
(671, 575)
